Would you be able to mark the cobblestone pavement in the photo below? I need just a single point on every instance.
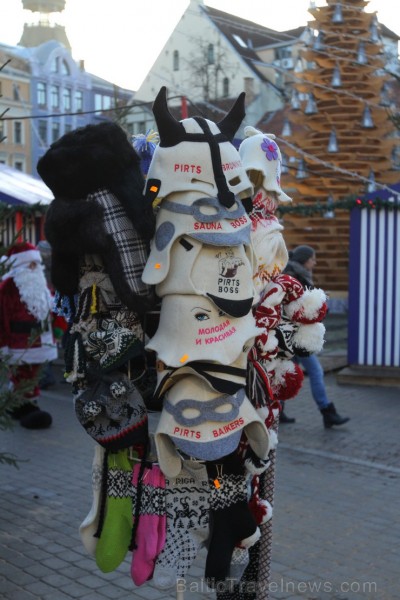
(336, 519)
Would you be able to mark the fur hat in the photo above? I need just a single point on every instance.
(92, 158)
(99, 208)
(97, 157)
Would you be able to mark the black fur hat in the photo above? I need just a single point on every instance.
(97, 157)
(86, 163)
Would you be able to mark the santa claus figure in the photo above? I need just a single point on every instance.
(26, 338)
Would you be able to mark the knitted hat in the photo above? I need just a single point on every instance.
(205, 425)
(145, 144)
(301, 254)
(203, 219)
(224, 274)
(197, 154)
(260, 153)
(191, 327)
(20, 254)
(112, 412)
(112, 344)
(270, 252)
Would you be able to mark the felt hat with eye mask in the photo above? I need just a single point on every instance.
(205, 424)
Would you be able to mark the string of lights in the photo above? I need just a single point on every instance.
(335, 168)
(269, 33)
(311, 84)
(260, 29)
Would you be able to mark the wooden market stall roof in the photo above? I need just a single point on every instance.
(19, 188)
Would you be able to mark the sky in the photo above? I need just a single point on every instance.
(102, 31)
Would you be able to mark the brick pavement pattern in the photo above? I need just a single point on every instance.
(336, 520)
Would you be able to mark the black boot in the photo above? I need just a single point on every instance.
(331, 417)
(283, 418)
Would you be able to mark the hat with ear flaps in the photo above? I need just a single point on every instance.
(262, 160)
(205, 424)
(99, 208)
(192, 327)
(197, 154)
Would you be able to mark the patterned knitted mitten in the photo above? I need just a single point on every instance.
(151, 522)
(187, 499)
(231, 521)
(116, 532)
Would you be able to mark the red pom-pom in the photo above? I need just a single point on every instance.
(261, 510)
(286, 384)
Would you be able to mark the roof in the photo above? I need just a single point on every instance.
(19, 188)
(386, 32)
(243, 35)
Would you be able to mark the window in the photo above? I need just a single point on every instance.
(281, 53)
(140, 127)
(16, 92)
(225, 87)
(67, 99)
(42, 130)
(55, 65)
(55, 96)
(67, 128)
(98, 102)
(41, 94)
(55, 131)
(65, 70)
(3, 133)
(175, 59)
(19, 165)
(107, 102)
(17, 132)
(103, 102)
(239, 40)
(79, 101)
(210, 54)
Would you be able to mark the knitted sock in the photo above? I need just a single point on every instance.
(231, 520)
(152, 522)
(239, 561)
(116, 532)
(187, 501)
(89, 525)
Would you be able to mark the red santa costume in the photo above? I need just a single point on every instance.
(26, 337)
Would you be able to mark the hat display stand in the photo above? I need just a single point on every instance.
(198, 470)
(202, 263)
